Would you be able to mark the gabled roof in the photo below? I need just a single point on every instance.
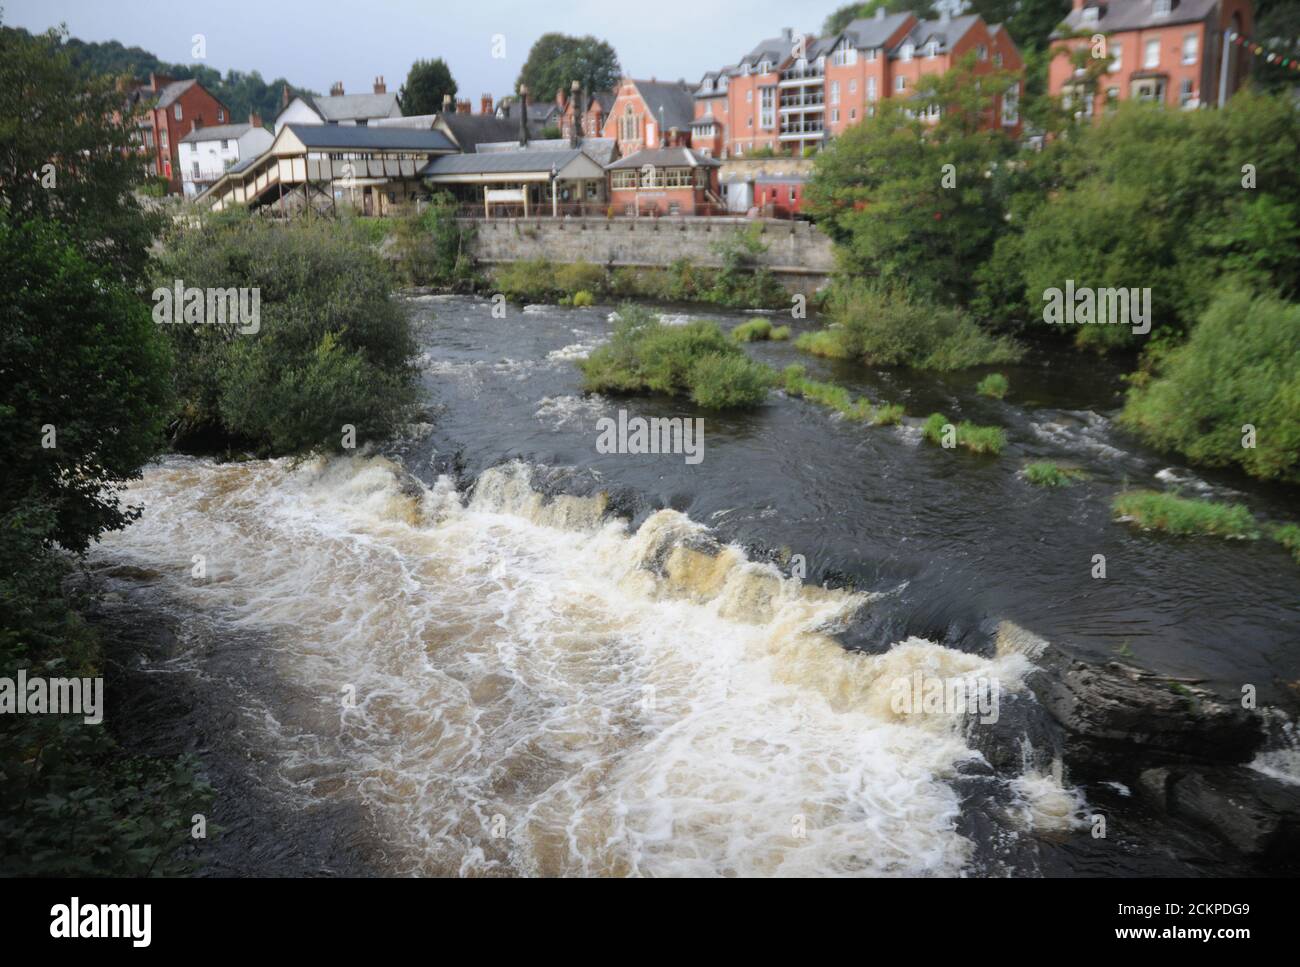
(365, 138)
(600, 150)
(356, 107)
(1135, 15)
(775, 49)
(945, 33)
(171, 91)
(218, 132)
(673, 103)
(604, 98)
(869, 32)
(665, 158)
(504, 162)
(470, 130)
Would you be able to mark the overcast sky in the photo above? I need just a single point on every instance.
(321, 41)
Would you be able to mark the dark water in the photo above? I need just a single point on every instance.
(960, 538)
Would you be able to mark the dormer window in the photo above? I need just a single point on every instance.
(932, 49)
(1091, 14)
(1163, 7)
(708, 85)
(765, 67)
(907, 51)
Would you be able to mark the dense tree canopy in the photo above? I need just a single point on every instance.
(427, 83)
(557, 60)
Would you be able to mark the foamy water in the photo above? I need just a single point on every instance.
(517, 685)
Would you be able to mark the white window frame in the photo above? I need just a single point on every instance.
(835, 92)
(900, 84)
(906, 51)
(1149, 48)
(1194, 42)
(871, 89)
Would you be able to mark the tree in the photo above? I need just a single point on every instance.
(1029, 22)
(919, 203)
(427, 83)
(557, 60)
(67, 154)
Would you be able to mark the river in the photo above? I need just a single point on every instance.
(488, 649)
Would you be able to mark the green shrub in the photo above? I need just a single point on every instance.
(977, 439)
(696, 360)
(583, 298)
(837, 398)
(528, 280)
(433, 247)
(574, 277)
(1182, 516)
(780, 333)
(1045, 473)
(752, 331)
(1240, 368)
(887, 414)
(892, 328)
(333, 347)
(1288, 535)
(994, 384)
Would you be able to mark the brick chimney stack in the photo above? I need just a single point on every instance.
(380, 86)
(463, 106)
(485, 104)
(336, 89)
(255, 119)
(285, 97)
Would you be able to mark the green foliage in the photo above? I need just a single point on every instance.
(1045, 473)
(427, 82)
(1179, 515)
(837, 398)
(977, 439)
(574, 277)
(78, 354)
(884, 194)
(1240, 366)
(56, 116)
(434, 248)
(583, 298)
(557, 60)
(754, 330)
(333, 347)
(743, 282)
(891, 328)
(994, 385)
(1188, 220)
(696, 360)
(1288, 535)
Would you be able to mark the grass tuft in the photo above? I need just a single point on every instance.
(1182, 516)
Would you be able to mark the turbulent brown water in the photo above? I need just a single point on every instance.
(519, 657)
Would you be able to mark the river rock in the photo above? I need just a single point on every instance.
(1257, 814)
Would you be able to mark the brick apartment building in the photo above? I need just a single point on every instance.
(166, 110)
(790, 93)
(1167, 51)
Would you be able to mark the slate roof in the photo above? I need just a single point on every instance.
(364, 138)
(1136, 14)
(501, 162)
(665, 158)
(676, 100)
(944, 32)
(171, 91)
(871, 32)
(469, 130)
(355, 107)
(218, 132)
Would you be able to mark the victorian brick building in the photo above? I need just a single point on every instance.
(166, 110)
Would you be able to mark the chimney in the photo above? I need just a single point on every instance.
(674, 137)
(575, 117)
(285, 97)
(255, 119)
(158, 81)
(662, 133)
(485, 104)
(559, 99)
(787, 34)
(380, 86)
(880, 12)
(523, 116)
(446, 104)
(336, 89)
(462, 106)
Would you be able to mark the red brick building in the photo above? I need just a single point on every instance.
(664, 181)
(650, 114)
(1167, 51)
(167, 110)
(790, 93)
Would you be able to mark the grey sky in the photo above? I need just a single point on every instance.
(321, 41)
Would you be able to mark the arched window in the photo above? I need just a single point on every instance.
(628, 124)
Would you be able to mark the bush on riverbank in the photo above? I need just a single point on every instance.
(1239, 369)
(332, 347)
(994, 385)
(892, 328)
(760, 330)
(1288, 535)
(435, 248)
(696, 360)
(1045, 473)
(1172, 514)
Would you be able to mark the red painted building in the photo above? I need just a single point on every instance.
(167, 110)
(1166, 51)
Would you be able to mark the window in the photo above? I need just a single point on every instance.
(997, 60)
(195, 169)
(835, 115)
(871, 88)
(835, 92)
(749, 96)
(767, 107)
(1185, 93)
(1190, 43)
(932, 50)
(932, 112)
(744, 69)
(1117, 61)
(981, 52)
(1090, 15)
(900, 84)
(872, 53)
(1152, 58)
(623, 179)
(225, 144)
(708, 85)
(1148, 89)
(221, 116)
(176, 111)
(906, 52)
(853, 86)
(1112, 99)
(1011, 105)
(749, 122)
(765, 67)
(845, 56)
(627, 125)
(1162, 8)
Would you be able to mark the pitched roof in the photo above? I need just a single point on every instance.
(469, 130)
(869, 32)
(665, 158)
(502, 162)
(600, 150)
(943, 32)
(218, 132)
(172, 91)
(363, 137)
(675, 99)
(355, 107)
(1135, 15)
(775, 49)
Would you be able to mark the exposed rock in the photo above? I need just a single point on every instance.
(1257, 814)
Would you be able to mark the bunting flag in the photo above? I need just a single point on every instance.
(1253, 48)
